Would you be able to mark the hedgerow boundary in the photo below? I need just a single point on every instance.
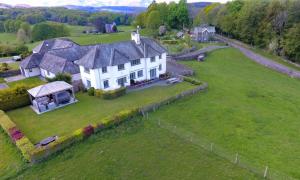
(34, 154)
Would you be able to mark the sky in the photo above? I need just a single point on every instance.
(94, 2)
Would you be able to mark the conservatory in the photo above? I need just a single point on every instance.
(54, 95)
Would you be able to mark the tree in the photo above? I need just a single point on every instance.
(47, 30)
(182, 14)
(21, 36)
(292, 43)
(153, 20)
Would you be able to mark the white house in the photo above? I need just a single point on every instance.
(204, 33)
(102, 66)
(111, 66)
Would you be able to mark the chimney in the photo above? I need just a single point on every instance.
(135, 36)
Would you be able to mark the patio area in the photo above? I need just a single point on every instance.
(51, 96)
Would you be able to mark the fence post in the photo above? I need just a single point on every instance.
(236, 158)
(266, 172)
(158, 122)
(147, 115)
(211, 147)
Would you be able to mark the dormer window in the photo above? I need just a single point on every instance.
(152, 59)
(121, 67)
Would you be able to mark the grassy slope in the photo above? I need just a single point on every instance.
(135, 150)
(88, 110)
(10, 158)
(248, 109)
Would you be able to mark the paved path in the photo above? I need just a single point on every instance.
(14, 78)
(3, 86)
(6, 60)
(195, 54)
(260, 59)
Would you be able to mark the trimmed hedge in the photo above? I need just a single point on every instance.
(91, 91)
(13, 98)
(22, 142)
(192, 80)
(112, 94)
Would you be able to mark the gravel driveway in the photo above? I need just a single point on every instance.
(262, 60)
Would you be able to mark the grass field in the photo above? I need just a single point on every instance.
(247, 109)
(88, 110)
(34, 81)
(10, 159)
(135, 150)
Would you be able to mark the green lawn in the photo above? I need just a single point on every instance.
(2, 80)
(88, 110)
(247, 109)
(34, 81)
(135, 150)
(8, 38)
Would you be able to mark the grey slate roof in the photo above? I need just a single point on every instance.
(51, 44)
(31, 61)
(119, 53)
(56, 64)
(59, 55)
(203, 28)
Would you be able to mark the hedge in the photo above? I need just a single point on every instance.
(192, 80)
(22, 142)
(13, 98)
(112, 94)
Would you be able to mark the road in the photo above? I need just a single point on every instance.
(260, 59)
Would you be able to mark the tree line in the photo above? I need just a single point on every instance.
(172, 15)
(270, 24)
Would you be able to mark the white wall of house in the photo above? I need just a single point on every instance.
(30, 72)
(76, 77)
(95, 77)
(47, 74)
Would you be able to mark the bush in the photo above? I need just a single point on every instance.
(26, 147)
(192, 80)
(6, 123)
(61, 77)
(89, 130)
(110, 94)
(78, 134)
(91, 91)
(13, 98)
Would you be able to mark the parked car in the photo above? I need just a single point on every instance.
(16, 58)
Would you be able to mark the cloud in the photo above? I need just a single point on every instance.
(92, 2)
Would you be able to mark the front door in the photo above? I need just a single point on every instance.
(152, 73)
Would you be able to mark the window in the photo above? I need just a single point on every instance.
(135, 62)
(122, 81)
(153, 73)
(48, 73)
(104, 70)
(160, 67)
(152, 59)
(159, 56)
(121, 67)
(132, 75)
(88, 83)
(30, 70)
(140, 73)
(86, 70)
(105, 84)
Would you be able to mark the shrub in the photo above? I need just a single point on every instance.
(78, 134)
(6, 123)
(13, 98)
(89, 130)
(91, 91)
(110, 94)
(192, 80)
(26, 147)
(61, 77)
